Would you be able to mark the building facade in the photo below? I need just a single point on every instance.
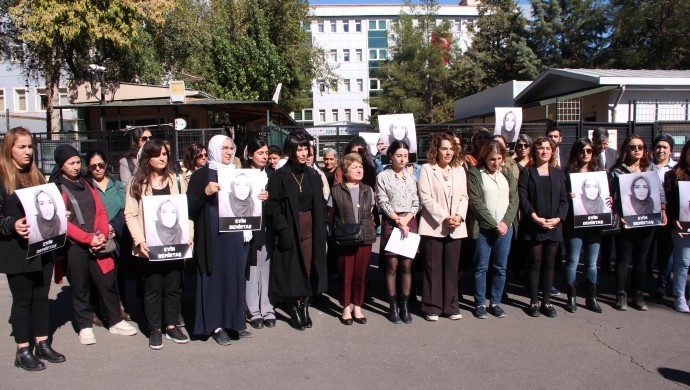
(354, 39)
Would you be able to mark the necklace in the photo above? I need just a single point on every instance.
(299, 183)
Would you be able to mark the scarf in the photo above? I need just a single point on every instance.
(241, 208)
(644, 206)
(168, 235)
(48, 228)
(592, 206)
(62, 154)
(215, 150)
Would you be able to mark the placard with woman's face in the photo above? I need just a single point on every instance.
(590, 208)
(399, 127)
(640, 199)
(508, 123)
(46, 216)
(239, 207)
(166, 226)
(684, 205)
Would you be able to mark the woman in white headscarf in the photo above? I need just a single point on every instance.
(222, 257)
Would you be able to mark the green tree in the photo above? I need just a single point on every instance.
(415, 79)
(568, 33)
(648, 35)
(59, 34)
(499, 51)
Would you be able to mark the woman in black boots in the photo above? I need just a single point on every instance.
(28, 279)
(296, 231)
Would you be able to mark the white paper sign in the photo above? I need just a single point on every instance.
(399, 127)
(406, 247)
(46, 216)
(508, 122)
(239, 206)
(640, 199)
(166, 226)
(372, 139)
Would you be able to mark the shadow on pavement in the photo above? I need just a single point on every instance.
(675, 375)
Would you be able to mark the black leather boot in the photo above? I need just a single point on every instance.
(304, 312)
(295, 315)
(45, 351)
(393, 310)
(405, 315)
(638, 301)
(591, 300)
(26, 360)
(571, 305)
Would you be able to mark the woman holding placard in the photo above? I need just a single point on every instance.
(494, 203)
(221, 256)
(398, 201)
(681, 241)
(87, 231)
(633, 244)
(544, 205)
(444, 199)
(589, 202)
(352, 203)
(259, 307)
(28, 279)
(162, 279)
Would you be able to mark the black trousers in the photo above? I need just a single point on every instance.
(440, 288)
(162, 292)
(30, 303)
(542, 256)
(82, 270)
(632, 245)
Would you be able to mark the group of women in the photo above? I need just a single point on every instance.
(480, 204)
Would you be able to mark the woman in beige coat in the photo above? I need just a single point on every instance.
(444, 199)
(162, 279)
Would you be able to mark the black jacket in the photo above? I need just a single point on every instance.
(532, 201)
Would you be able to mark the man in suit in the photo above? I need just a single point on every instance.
(600, 141)
(554, 135)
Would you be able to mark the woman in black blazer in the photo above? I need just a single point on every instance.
(544, 205)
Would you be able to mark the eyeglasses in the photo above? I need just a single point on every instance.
(204, 155)
(586, 151)
(636, 147)
(521, 146)
(93, 167)
(145, 137)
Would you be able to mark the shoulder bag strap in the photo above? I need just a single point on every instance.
(77, 209)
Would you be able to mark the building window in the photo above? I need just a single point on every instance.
(372, 25)
(346, 55)
(2, 100)
(358, 25)
(358, 55)
(377, 39)
(64, 96)
(333, 26)
(322, 115)
(322, 86)
(348, 115)
(346, 26)
(334, 115)
(334, 55)
(308, 115)
(306, 26)
(374, 84)
(20, 103)
(41, 99)
(320, 25)
(298, 115)
(377, 25)
(360, 115)
(360, 85)
(346, 83)
(333, 85)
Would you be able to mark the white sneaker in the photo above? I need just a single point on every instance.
(432, 317)
(455, 316)
(86, 336)
(681, 305)
(123, 328)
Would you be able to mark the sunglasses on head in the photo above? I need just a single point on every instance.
(146, 137)
(636, 147)
(93, 167)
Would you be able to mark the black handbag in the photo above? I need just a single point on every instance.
(615, 227)
(350, 234)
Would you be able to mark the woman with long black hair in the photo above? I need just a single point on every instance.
(28, 279)
(633, 244)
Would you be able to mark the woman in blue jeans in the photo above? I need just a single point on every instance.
(581, 160)
(494, 202)
(681, 241)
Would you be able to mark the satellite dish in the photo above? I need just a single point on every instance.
(180, 124)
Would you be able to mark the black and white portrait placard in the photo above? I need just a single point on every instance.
(590, 208)
(399, 127)
(166, 226)
(508, 122)
(372, 139)
(640, 199)
(684, 206)
(46, 216)
(239, 207)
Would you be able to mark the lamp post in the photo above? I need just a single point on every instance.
(100, 70)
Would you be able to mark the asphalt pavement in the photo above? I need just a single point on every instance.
(612, 350)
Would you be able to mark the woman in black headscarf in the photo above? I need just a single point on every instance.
(47, 222)
(168, 230)
(590, 202)
(241, 200)
(640, 200)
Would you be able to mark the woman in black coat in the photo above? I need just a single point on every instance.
(544, 205)
(296, 231)
(28, 279)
